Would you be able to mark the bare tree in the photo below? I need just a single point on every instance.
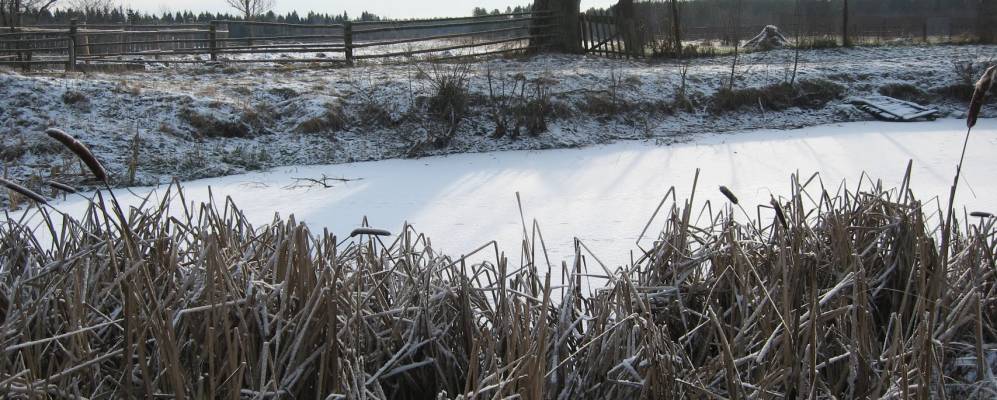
(676, 29)
(11, 11)
(91, 5)
(735, 32)
(250, 9)
(798, 44)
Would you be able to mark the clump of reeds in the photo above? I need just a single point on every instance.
(832, 303)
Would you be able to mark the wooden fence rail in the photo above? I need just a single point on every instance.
(345, 43)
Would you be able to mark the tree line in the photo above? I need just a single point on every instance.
(32, 12)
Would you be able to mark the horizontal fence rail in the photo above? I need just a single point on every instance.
(228, 41)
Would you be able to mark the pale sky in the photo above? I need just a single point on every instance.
(388, 8)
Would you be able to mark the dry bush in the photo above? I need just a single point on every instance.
(76, 99)
(210, 124)
(450, 99)
(812, 93)
(966, 74)
(331, 120)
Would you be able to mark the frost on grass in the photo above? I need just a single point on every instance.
(213, 120)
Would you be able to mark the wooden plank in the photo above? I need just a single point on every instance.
(448, 48)
(487, 53)
(262, 23)
(220, 51)
(539, 13)
(437, 37)
(446, 25)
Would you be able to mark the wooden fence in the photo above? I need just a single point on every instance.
(78, 44)
(608, 35)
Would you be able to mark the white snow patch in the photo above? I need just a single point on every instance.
(605, 194)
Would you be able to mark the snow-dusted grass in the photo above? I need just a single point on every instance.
(604, 195)
(298, 114)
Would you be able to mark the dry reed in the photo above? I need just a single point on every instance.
(980, 92)
(61, 187)
(23, 191)
(202, 304)
(81, 151)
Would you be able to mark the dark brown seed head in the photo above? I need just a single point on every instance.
(778, 213)
(369, 231)
(61, 186)
(728, 194)
(980, 95)
(981, 214)
(81, 151)
(37, 198)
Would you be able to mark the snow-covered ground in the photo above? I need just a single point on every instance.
(202, 121)
(604, 195)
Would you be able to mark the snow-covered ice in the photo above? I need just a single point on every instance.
(605, 194)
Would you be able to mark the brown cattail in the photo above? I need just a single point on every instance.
(369, 231)
(980, 95)
(778, 213)
(981, 214)
(728, 194)
(37, 198)
(61, 186)
(81, 151)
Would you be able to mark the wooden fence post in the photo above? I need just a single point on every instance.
(348, 41)
(71, 65)
(213, 37)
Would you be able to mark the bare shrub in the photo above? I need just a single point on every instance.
(76, 99)
(449, 100)
(813, 93)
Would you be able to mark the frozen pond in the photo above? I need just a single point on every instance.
(604, 195)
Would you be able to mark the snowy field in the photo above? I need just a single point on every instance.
(192, 122)
(604, 195)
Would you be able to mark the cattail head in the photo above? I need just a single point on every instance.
(369, 231)
(981, 214)
(778, 213)
(61, 186)
(23, 191)
(81, 151)
(728, 194)
(980, 95)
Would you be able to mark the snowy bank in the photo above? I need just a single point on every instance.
(604, 195)
(207, 121)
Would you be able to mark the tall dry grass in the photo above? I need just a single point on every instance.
(820, 295)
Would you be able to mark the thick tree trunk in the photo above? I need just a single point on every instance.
(564, 35)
